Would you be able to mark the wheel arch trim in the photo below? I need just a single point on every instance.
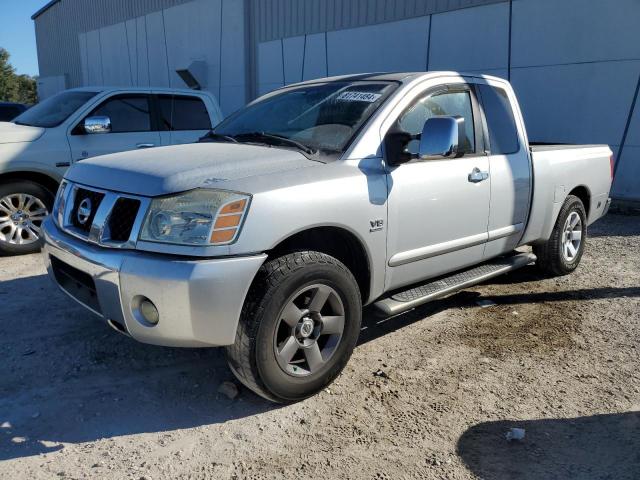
(335, 229)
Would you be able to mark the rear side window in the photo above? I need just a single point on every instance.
(128, 113)
(183, 113)
(503, 133)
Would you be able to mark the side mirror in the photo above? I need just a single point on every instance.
(441, 137)
(97, 125)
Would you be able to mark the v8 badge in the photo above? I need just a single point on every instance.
(376, 225)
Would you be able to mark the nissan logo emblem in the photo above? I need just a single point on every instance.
(84, 211)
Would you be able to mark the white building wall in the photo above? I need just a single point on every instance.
(48, 86)
(293, 50)
(471, 40)
(146, 51)
(575, 65)
(315, 59)
(627, 181)
(157, 49)
(388, 47)
(114, 51)
(270, 66)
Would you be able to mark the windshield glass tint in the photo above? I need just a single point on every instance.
(54, 110)
(320, 116)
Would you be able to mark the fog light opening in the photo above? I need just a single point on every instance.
(145, 311)
(149, 311)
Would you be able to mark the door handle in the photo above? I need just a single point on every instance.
(145, 145)
(478, 175)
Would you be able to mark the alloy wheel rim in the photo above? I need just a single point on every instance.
(309, 330)
(21, 217)
(572, 237)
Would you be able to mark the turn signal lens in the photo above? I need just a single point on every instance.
(234, 207)
(222, 236)
(228, 222)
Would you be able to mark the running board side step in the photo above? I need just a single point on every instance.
(402, 301)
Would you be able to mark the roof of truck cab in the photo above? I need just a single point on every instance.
(374, 77)
(402, 77)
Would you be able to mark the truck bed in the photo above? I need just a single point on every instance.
(560, 170)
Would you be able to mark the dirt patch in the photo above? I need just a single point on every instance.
(537, 328)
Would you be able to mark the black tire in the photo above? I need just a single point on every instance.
(35, 190)
(252, 357)
(551, 258)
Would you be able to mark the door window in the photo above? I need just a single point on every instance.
(183, 113)
(503, 133)
(451, 104)
(128, 113)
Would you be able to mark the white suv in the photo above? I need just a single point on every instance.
(38, 146)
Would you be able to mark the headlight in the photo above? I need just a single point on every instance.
(59, 204)
(198, 217)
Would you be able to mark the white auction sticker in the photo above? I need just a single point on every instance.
(359, 96)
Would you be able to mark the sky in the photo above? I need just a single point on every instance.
(17, 33)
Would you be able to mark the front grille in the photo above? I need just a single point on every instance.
(122, 218)
(94, 198)
(112, 214)
(78, 284)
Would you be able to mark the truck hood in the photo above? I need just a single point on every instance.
(165, 170)
(12, 133)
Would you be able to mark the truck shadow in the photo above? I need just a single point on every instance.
(593, 447)
(66, 377)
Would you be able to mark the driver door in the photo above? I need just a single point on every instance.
(132, 127)
(438, 214)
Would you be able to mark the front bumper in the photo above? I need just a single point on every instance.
(199, 300)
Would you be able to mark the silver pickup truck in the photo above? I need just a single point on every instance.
(269, 235)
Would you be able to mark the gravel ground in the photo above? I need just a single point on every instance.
(429, 394)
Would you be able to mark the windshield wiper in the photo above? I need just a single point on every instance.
(277, 138)
(212, 136)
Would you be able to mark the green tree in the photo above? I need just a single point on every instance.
(27, 89)
(15, 88)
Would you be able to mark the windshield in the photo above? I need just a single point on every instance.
(320, 117)
(54, 110)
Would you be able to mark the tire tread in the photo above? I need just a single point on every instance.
(241, 354)
(549, 258)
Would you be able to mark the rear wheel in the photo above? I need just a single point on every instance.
(298, 328)
(561, 254)
(23, 207)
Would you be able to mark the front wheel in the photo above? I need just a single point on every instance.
(561, 254)
(298, 327)
(23, 207)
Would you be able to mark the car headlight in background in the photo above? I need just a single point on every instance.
(197, 217)
(59, 204)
